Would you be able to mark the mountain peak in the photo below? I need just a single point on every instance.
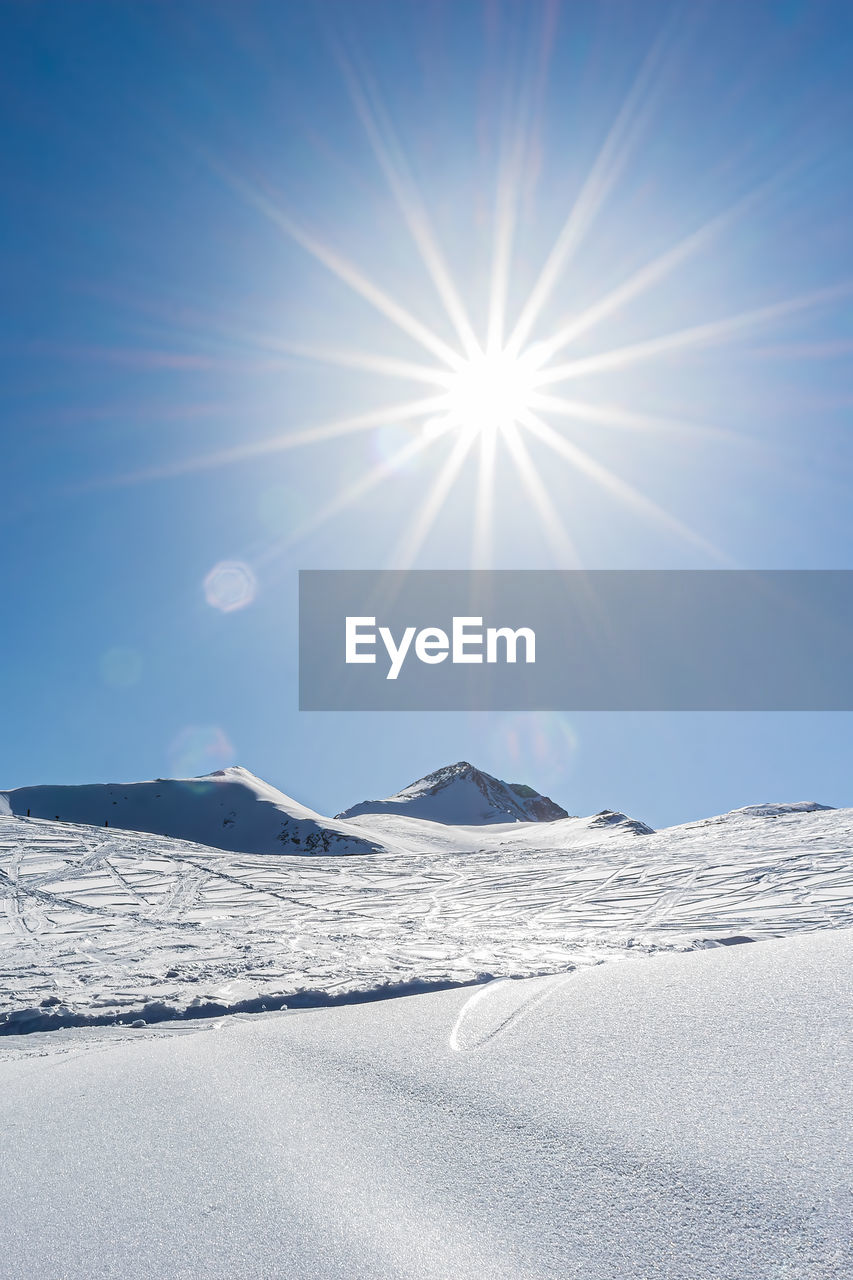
(236, 772)
(462, 795)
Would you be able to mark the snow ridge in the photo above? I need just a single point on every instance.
(230, 809)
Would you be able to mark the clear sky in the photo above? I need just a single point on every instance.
(209, 208)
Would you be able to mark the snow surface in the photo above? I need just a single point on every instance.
(683, 1118)
(681, 1113)
(98, 924)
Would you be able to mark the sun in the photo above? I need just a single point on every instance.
(496, 391)
(488, 394)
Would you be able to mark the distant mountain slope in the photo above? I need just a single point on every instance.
(230, 809)
(461, 795)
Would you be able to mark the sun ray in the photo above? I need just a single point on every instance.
(280, 443)
(830, 350)
(647, 276)
(620, 489)
(515, 146)
(561, 543)
(343, 501)
(345, 271)
(427, 514)
(364, 361)
(484, 502)
(504, 233)
(514, 149)
(703, 335)
(390, 158)
(255, 342)
(611, 159)
(610, 415)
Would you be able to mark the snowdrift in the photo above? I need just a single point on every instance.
(687, 1116)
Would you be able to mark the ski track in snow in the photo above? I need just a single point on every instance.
(100, 924)
(685, 1118)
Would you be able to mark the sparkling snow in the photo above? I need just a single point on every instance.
(683, 1118)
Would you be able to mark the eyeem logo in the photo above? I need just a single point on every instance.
(614, 640)
(466, 643)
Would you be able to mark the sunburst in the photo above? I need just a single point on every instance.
(501, 390)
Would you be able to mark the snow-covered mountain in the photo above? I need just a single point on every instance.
(229, 809)
(462, 795)
(235, 810)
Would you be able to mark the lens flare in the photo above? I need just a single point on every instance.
(391, 448)
(199, 749)
(230, 585)
(540, 741)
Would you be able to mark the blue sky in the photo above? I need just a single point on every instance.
(173, 176)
